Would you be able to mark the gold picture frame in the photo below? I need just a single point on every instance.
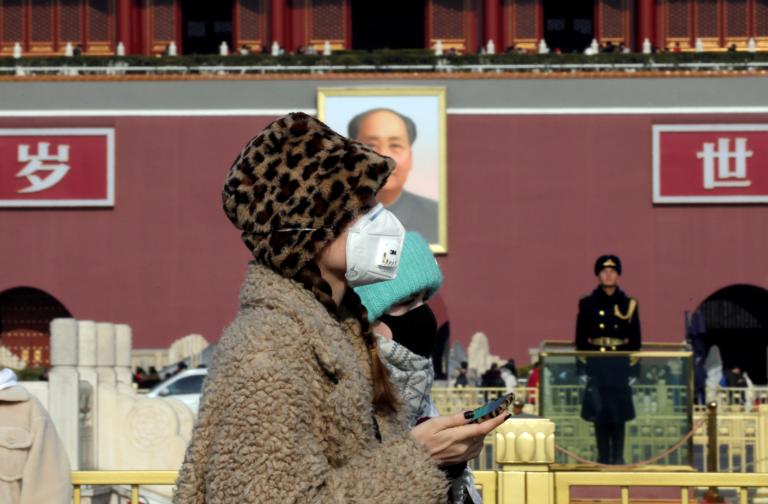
(423, 113)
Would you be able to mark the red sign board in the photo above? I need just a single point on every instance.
(65, 167)
(710, 163)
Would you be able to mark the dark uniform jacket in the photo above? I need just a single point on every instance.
(606, 324)
(417, 213)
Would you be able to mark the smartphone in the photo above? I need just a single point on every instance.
(492, 409)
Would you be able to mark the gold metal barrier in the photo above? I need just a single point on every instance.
(485, 481)
(523, 481)
(134, 479)
(742, 426)
(523, 450)
(564, 481)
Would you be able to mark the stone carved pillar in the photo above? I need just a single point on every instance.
(140, 433)
(89, 384)
(525, 448)
(105, 394)
(105, 353)
(123, 338)
(64, 386)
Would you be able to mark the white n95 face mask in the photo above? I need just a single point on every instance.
(374, 245)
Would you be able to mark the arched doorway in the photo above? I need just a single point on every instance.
(735, 318)
(25, 319)
(396, 24)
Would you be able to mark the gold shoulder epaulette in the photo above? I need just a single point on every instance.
(630, 311)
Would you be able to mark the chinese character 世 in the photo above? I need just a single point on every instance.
(714, 179)
(43, 161)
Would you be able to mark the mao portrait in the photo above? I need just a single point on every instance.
(408, 125)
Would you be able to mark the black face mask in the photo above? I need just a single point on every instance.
(416, 330)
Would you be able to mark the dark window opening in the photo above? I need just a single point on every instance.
(205, 25)
(398, 24)
(569, 26)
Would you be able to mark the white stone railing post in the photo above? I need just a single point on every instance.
(123, 338)
(105, 353)
(106, 392)
(64, 386)
(89, 384)
(525, 448)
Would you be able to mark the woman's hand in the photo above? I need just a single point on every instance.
(450, 439)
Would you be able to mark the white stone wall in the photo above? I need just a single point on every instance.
(103, 423)
(64, 386)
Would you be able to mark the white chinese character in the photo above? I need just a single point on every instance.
(56, 165)
(714, 179)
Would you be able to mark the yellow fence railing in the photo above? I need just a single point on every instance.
(739, 418)
(495, 486)
(565, 481)
(504, 473)
(485, 481)
(134, 479)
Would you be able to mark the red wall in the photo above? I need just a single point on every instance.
(165, 260)
(535, 199)
(532, 201)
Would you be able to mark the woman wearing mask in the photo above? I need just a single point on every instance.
(298, 406)
(405, 330)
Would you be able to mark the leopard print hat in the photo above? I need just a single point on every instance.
(295, 187)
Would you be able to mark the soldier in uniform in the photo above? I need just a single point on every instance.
(608, 321)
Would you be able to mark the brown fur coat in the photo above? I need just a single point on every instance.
(286, 413)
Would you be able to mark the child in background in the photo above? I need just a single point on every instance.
(405, 330)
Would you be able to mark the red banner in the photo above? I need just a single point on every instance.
(65, 167)
(710, 163)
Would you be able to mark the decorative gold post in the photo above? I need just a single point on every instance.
(524, 449)
(713, 494)
(761, 449)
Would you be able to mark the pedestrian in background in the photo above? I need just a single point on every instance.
(608, 321)
(34, 467)
(406, 331)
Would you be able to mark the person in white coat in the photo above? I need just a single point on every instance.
(34, 467)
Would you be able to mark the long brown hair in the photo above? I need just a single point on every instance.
(384, 396)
